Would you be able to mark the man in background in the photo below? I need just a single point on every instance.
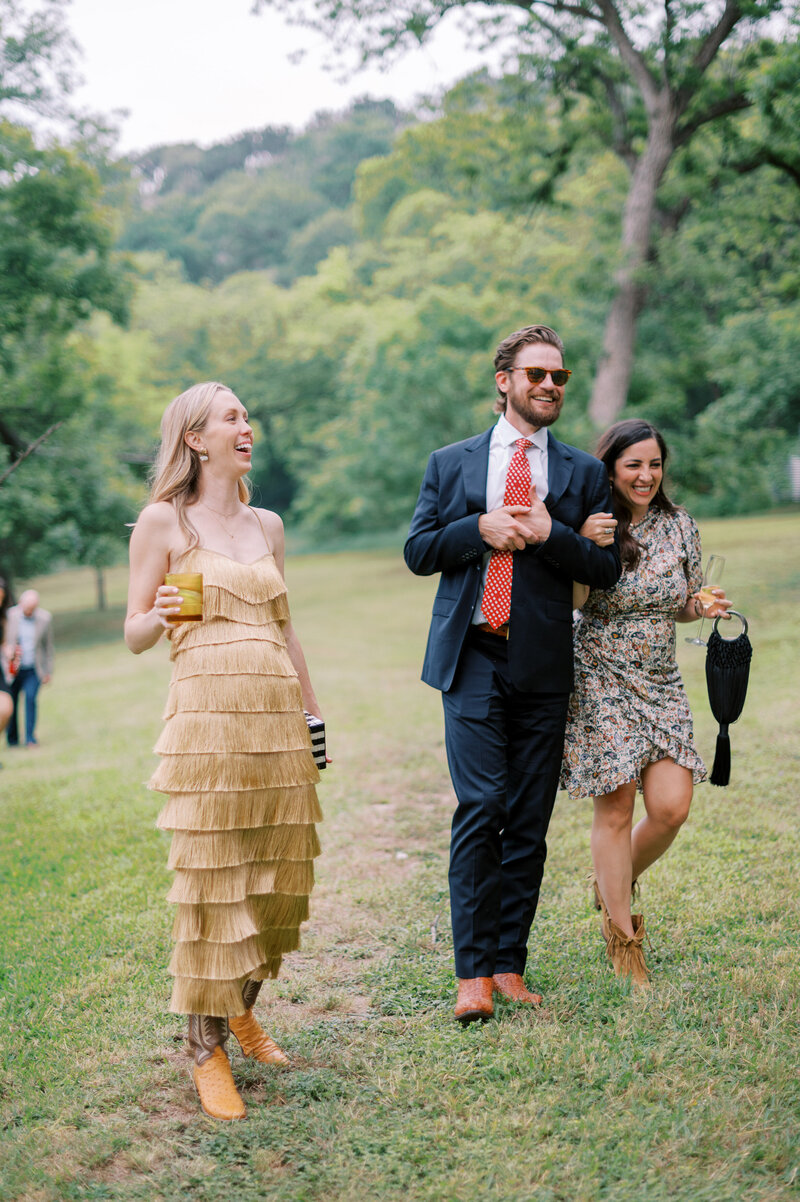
(29, 654)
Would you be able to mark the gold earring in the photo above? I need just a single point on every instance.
(202, 455)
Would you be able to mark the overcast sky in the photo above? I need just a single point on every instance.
(202, 70)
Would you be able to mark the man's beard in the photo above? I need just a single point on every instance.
(538, 412)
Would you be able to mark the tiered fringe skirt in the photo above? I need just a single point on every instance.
(237, 765)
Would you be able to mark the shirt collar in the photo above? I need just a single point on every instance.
(507, 434)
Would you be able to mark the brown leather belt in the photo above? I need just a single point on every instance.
(485, 628)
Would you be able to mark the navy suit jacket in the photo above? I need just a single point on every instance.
(444, 538)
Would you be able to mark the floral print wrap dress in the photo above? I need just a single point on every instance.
(629, 708)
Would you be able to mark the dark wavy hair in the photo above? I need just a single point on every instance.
(610, 447)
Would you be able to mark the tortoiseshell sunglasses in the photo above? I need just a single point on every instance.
(535, 375)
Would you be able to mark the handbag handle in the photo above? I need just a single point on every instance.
(734, 613)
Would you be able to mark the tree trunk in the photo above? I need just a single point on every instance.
(611, 382)
(101, 588)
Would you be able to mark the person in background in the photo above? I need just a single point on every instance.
(629, 725)
(6, 704)
(498, 517)
(235, 750)
(29, 653)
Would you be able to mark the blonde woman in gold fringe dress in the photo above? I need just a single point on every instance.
(236, 754)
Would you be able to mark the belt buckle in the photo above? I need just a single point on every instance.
(504, 634)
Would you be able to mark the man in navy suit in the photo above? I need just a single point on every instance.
(500, 649)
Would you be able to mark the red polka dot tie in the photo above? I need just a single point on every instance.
(496, 604)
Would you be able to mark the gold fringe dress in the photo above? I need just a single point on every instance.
(237, 765)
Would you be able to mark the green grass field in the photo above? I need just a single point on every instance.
(690, 1092)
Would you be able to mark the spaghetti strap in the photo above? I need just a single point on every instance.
(261, 528)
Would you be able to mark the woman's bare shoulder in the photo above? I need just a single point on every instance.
(159, 513)
(158, 520)
(272, 522)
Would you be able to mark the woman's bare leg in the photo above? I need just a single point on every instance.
(611, 851)
(667, 796)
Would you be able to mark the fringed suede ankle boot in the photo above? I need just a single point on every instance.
(211, 1071)
(598, 902)
(252, 1039)
(625, 951)
(600, 905)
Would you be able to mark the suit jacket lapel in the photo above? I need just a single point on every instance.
(559, 470)
(475, 468)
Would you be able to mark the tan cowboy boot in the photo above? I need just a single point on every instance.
(253, 1040)
(211, 1071)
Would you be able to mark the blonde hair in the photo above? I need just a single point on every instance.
(176, 472)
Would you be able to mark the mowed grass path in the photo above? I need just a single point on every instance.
(690, 1092)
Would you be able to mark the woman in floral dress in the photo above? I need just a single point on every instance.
(629, 722)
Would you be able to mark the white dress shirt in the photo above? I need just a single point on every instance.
(502, 446)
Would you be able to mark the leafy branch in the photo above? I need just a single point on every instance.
(29, 451)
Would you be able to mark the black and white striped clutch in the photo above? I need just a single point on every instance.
(316, 728)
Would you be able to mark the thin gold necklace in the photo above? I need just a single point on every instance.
(218, 519)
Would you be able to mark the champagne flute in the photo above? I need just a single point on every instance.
(711, 578)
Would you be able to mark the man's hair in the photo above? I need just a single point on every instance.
(508, 349)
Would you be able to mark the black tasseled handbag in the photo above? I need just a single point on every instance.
(727, 674)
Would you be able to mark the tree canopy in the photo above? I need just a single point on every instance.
(646, 78)
(57, 267)
(265, 200)
(356, 371)
(350, 282)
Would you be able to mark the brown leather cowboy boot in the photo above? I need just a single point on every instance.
(211, 1071)
(250, 991)
(474, 1001)
(511, 985)
(253, 1040)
